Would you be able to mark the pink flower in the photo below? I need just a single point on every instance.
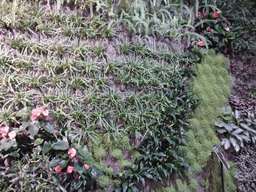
(227, 55)
(33, 117)
(74, 159)
(45, 112)
(36, 112)
(12, 134)
(4, 130)
(227, 29)
(218, 12)
(199, 13)
(215, 15)
(208, 29)
(86, 166)
(200, 43)
(72, 152)
(70, 169)
(58, 169)
(187, 52)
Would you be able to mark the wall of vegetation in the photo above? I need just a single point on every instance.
(213, 85)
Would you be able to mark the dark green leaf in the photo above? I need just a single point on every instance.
(49, 128)
(47, 147)
(54, 162)
(147, 175)
(160, 154)
(83, 151)
(79, 168)
(64, 163)
(24, 126)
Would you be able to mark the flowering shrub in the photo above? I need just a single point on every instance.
(43, 137)
(220, 33)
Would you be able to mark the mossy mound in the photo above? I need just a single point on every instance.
(212, 85)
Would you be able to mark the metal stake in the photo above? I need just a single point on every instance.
(222, 177)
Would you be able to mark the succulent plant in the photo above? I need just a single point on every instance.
(236, 129)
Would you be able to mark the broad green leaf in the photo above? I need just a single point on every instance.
(227, 117)
(95, 172)
(22, 112)
(23, 126)
(142, 180)
(238, 131)
(49, 128)
(147, 175)
(60, 145)
(83, 151)
(6, 144)
(64, 163)
(47, 147)
(225, 143)
(229, 127)
(78, 168)
(219, 123)
(160, 154)
(33, 129)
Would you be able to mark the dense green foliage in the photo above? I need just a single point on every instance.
(213, 85)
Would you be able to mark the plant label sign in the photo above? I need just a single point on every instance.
(221, 157)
